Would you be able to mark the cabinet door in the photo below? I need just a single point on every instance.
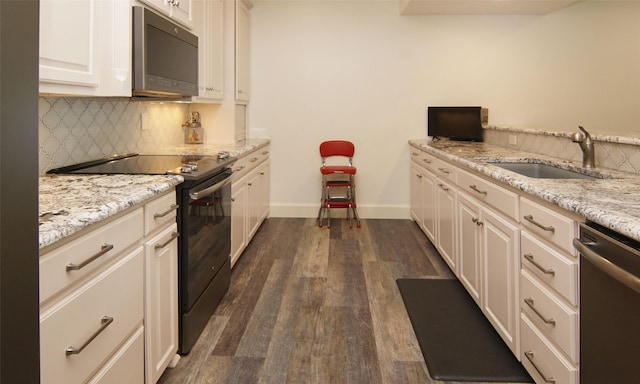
(181, 11)
(161, 299)
(446, 230)
(85, 47)
(265, 190)
(500, 280)
(415, 186)
(238, 219)
(243, 18)
(429, 205)
(253, 199)
(69, 43)
(469, 246)
(208, 25)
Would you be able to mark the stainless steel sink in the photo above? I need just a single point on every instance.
(541, 171)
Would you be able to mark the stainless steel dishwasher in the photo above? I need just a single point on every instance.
(609, 306)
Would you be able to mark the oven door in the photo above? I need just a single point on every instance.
(206, 235)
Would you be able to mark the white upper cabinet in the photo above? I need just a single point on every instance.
(85, 47)
(535, 7)
(243, 31)
(180, 11)
(208, 24)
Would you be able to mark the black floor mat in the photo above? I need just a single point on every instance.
(458, 343)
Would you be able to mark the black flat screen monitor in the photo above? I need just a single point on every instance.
(455, 123)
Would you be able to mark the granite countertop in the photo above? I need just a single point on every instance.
(213, 149)
(611, 200)
(69, 204)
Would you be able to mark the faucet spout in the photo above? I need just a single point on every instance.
(583, 138)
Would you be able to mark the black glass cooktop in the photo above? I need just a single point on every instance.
(190, 166)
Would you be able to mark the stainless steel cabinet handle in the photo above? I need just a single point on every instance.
(172, 208)
(104, 323)
(529, 302)
(443, 187)
(475, 188)
(549, 228)
(444, 170)
(626, 278)
(253, 159)
(546, 271)
(104, 248)
(529, 355)
(240, 168)
(265, 153)
(173, 236)
(427, 161)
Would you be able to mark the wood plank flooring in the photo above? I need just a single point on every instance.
(317, 305)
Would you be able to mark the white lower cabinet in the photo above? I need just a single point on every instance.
(513, 254)
(541, 358)
(500, 276)
(127, 364)
(81, 331)
(250, 199)
(488, 245)
(423, 197)
(470, 246)
(549, 295)
(108, 305)
(445, 202)
(238, 219)
(161, 301)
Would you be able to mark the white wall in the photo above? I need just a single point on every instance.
(358, 70)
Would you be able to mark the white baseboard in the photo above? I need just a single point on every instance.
(364, 211)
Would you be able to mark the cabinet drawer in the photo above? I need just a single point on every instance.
(550, 225)
(540, 357)
(127, 365)
(558, 271)
(249, 161)
(79, 258)
(558, 321)
(116, 293)
(489, 193)
(160, 212)
(446, 171)
(423, 159)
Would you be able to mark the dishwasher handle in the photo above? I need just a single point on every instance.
(621, 275)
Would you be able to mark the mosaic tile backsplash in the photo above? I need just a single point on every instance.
(73, 130)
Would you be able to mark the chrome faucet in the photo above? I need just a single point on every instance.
(586, 144)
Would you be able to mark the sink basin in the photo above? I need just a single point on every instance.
(541, 171)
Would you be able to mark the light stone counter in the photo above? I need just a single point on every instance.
(71, 203)
(213, 149)
(612, 201)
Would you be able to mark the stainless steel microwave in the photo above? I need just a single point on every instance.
(165, 57)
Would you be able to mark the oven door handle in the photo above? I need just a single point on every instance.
(207, 191)
(606, 266)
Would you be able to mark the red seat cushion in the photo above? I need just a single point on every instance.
(330, 169)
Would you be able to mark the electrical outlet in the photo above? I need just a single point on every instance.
(144, 121)
(513, 140)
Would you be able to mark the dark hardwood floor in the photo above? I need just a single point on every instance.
(313, 305)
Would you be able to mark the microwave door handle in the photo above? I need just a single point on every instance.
(606, 266)
(207, 191)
